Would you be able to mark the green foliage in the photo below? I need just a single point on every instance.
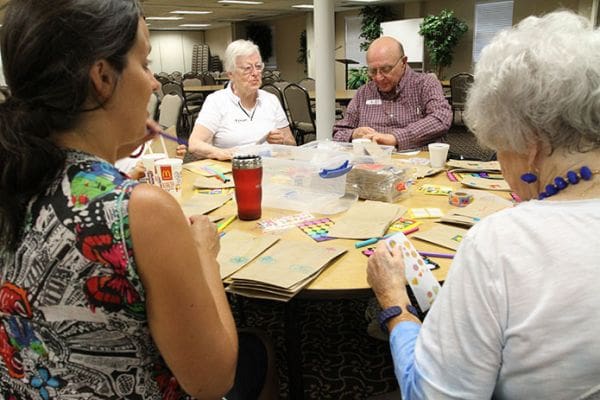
(261, 35)
(357, 77)
(302, 51)
(441, 33)
(370, 28)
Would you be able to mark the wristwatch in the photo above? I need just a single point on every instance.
(394, 311)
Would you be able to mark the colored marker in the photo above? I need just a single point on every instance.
(367, 242)
(410, 230)
(213, 171)
(436, 255)
(172, 138)
(226, 223)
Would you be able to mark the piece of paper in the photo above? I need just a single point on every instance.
(374, 150)
(422, 282)
(287, 263)
(436, 190)
(207, 168)
(442, 235)
(424, 213)
(366, 220)
(239, 248)
(486, 184)
(202, 204)
(203, 182)
(286, 222)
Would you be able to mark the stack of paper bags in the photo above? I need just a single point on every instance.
(283, 270)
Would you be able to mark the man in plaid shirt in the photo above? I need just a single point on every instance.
(398, 107)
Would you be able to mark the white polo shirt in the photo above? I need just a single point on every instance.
(222, 114)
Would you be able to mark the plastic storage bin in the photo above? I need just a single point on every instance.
(345, 147)
(303, 179)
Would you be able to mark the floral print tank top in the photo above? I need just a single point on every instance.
(73, 321)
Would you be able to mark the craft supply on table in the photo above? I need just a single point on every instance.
(286, 222)
(221, 226)
(317, 229)
(460, 199)
(403, 225)
(443, 235)
(436, 190)
(381, 182)
(424, 213)
(436, 255)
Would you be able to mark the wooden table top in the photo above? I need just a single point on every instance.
(203, 88)
(347, 274)
(340, 95)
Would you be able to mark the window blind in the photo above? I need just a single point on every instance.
(490, 18)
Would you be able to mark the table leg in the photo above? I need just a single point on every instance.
(294, 356)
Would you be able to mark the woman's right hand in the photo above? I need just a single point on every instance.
(205, 235)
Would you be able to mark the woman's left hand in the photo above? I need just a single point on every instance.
(385, 274)
(276, 137)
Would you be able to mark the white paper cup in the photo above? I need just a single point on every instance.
(149, 161)
(438, 152)
(168, 172)
(358, 146)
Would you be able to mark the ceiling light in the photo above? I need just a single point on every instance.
(195, 25)
(164, 18)
(190, 12)
(241, 2)
(303, 6)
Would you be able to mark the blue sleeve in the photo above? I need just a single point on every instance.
(403, 339)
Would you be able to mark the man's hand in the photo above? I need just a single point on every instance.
(384, 138)
(363, 132)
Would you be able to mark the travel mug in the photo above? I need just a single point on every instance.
(247, 177)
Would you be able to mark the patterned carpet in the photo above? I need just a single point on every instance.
(339, 360)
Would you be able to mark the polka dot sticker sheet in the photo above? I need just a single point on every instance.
(422, 282)
(317, 229)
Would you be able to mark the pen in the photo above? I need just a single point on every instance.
(436, 255)
(172, 138)
(218, 174)
(226, 223)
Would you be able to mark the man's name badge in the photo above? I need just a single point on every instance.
(373, 102)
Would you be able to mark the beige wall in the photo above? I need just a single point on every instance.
(172, 50)
(287, 43)
(217, 40)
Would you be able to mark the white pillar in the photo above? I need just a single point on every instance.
(310, 45)
(324, 44)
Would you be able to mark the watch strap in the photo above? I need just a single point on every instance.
(391, 312)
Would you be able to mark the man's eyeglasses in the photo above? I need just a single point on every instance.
(248, 69)
(385, 70)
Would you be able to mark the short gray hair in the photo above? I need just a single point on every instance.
(539, 80)
(238, 48)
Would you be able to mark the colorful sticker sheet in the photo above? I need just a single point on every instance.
(436, 190)
(317, 229)
(422, 282)
(289, 221)
(403, 224)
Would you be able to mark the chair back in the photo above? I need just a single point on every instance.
(269, 87)
(208, 79)
(307, 83)
(192, 82)
(298, 105)
(172, 87)
(459, 85)
(171, 108)
(152, 106)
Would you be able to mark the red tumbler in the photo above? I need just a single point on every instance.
(247, 176)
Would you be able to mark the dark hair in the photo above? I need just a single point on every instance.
(48, 48)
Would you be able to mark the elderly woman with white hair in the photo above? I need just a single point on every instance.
(241, 114)
(518, 315)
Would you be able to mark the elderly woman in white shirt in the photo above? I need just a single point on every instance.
(241, 114)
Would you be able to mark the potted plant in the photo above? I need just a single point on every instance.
(302, 51)
(441, 33)
(357, 77)
(370, 28)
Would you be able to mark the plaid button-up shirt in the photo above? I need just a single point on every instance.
(417, 113)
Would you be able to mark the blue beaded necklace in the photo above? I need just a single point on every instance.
(560, 183)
